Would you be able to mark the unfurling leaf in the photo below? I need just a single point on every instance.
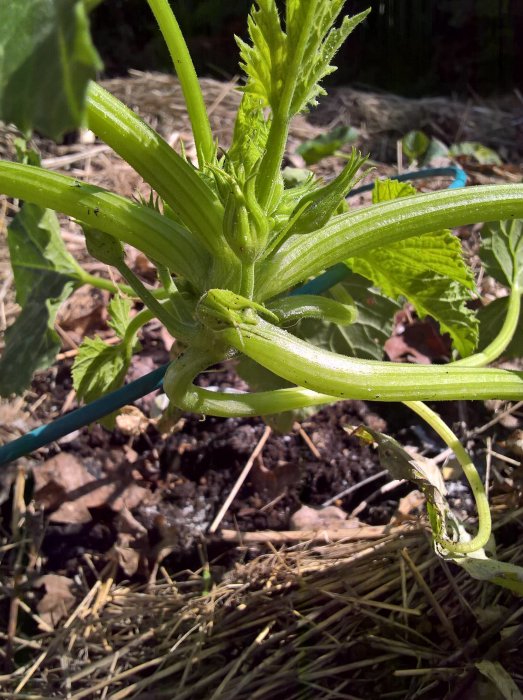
(45, 276)
(270, 62)
(46, 61)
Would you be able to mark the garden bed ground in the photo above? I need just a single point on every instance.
(112, 585)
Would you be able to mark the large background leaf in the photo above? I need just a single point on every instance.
(366, 337)
(502, 251)
(46, 60)
(45, 275)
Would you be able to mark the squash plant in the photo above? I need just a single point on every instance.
(232, 240)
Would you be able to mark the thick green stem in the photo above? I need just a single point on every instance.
(175, 180)
(476, 485)
(184, 68)
(363, 230)
(157, 236)
(279, 129)
(329, 373)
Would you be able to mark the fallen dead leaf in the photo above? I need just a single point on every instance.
(411, 502)
(58, 598)
(307, 518)
(84, 312)
(64, 486)
(131, 421)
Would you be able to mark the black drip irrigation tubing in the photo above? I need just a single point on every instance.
(58, 428)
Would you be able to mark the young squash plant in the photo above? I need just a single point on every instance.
(235, 245)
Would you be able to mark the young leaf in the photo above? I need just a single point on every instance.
(365, 337)
(46, 61)
(502, 251)
(119, 314)
(45, 275)
(250, 134)
(428, 271)
(99, 368)
(415, 145)
(325, 145)
(301, 54)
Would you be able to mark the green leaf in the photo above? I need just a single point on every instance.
(31, 343)
(120, 314)
(45, 275)
(491, 318)
(502, 251)
(99, 368)
(264, 61)
(325, 145)
(477, 151)
(46, 61)
(365, 337)
(429, 271)
(36, 246)
(317, 207)
(251, 130)
(321, 46)
(269, 62)
(415, 144)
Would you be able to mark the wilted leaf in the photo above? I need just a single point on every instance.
(46, 61)
(45, 275)
(503, 681)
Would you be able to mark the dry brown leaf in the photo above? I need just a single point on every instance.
(411, 502)
(85, 311)
(58, 598)
(63, 485)
(307, 518)
(131, 421)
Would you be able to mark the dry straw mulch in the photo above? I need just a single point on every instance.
(364, 619)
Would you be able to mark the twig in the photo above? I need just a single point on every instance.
(354, 487)
(348, 534)
(507, 412)
(306, 439)
(245, 471)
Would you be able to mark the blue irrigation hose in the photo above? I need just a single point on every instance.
(129, 393)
